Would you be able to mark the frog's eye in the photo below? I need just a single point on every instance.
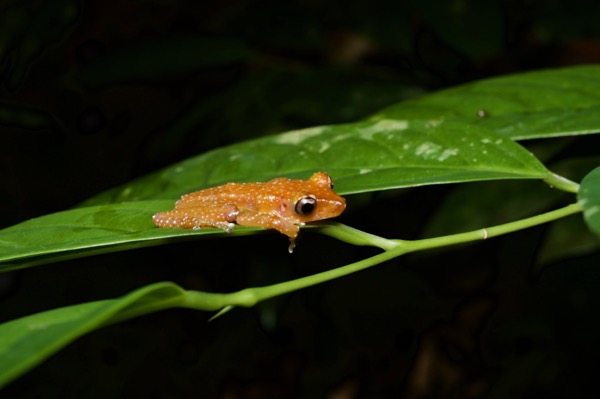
(305, 205)
(330, 182)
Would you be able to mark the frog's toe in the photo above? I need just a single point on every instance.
(292, 245)
(226, 226)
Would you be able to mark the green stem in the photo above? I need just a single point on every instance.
(355, 237)
(251, 296)
(562, 183)
(495, 231)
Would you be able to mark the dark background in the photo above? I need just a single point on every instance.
(97, 93)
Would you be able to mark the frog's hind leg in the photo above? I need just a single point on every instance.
(195, 218)
(177, 218)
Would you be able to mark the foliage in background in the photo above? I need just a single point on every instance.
(379, 154)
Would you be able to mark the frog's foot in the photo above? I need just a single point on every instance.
(293, 236)
(226, 226)
(292, 245)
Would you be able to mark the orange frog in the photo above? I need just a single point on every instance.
(281, 204)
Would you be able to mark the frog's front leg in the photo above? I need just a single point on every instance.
(270, 221)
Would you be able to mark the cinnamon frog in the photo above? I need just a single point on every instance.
(281, 204)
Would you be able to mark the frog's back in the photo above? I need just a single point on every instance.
(240, 194)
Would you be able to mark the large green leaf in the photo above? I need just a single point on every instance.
(528, 105)
(87, 231)
(589, 198)
(538, 104)
(361, 157)
(28, 341)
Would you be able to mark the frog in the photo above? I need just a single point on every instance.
(281, 204)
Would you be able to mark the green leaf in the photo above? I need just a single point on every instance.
(589, 199)
(26, 117)
(549, 103)
(361, 157)
(87, 231)
(28, 341)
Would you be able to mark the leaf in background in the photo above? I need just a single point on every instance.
(26, 117)
(471, 27)
(589, 198)
(28, 31)
(345, 95)
(28, 341)
(565, 239)
(475, 206)
(168, 57)
(549, 103)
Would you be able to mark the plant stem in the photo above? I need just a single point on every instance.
(562, 183)
(250, 296)
(494, 231)
(354, 236)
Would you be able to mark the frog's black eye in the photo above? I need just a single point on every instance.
(305, 205)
